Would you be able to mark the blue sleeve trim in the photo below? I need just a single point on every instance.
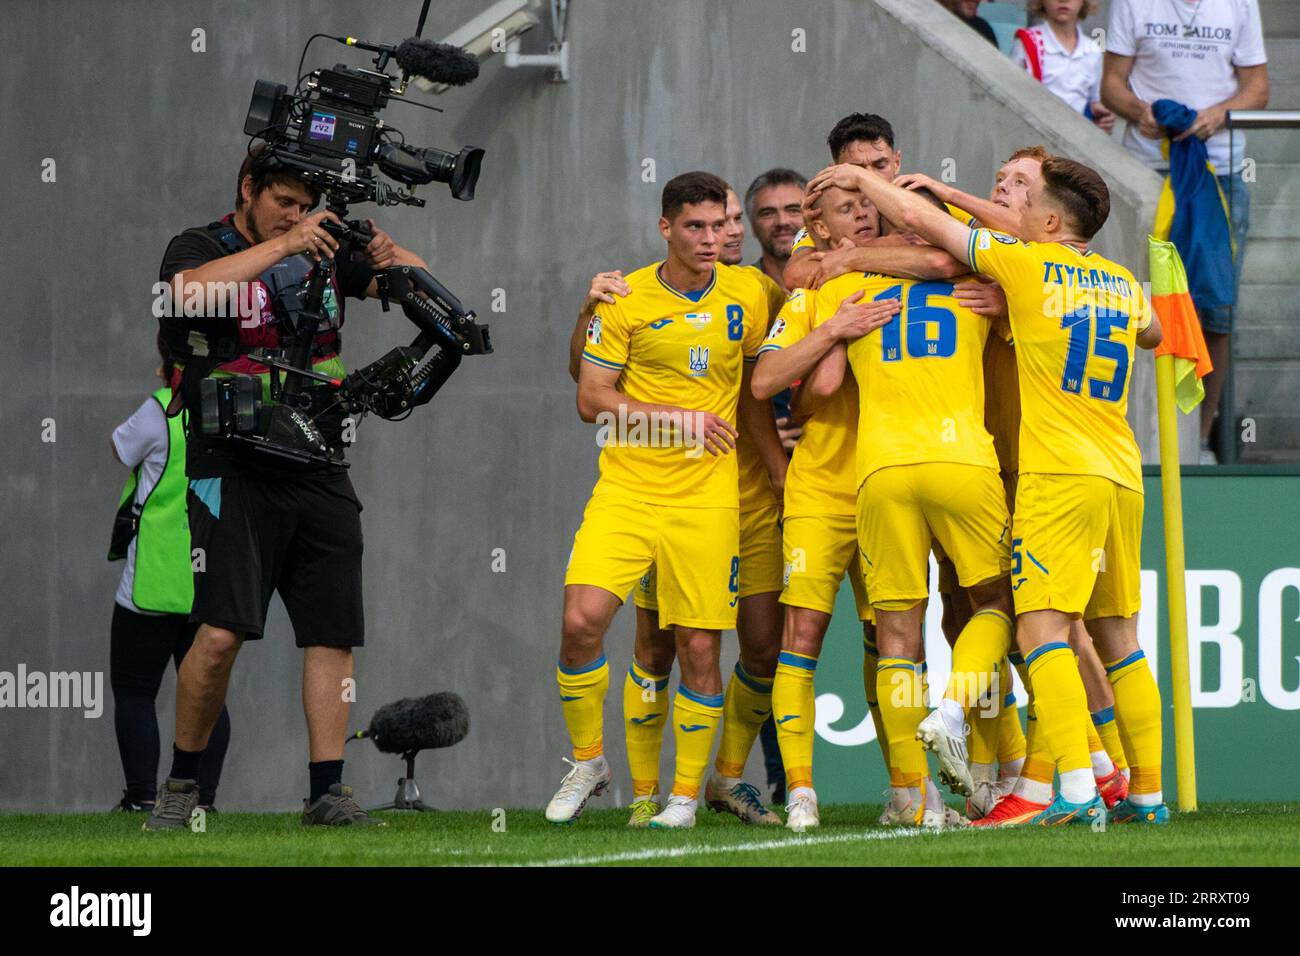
(603, 363)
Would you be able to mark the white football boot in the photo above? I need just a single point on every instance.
(678, 815)
(801, 811)
(587, 779)
(954, 765)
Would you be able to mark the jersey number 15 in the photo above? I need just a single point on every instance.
(1080, 322)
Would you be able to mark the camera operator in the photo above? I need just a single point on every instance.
(264, 524)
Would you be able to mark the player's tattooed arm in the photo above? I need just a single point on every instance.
(604, 286)
(758, 424)
(905, 209)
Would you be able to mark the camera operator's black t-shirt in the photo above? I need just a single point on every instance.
(208, 457)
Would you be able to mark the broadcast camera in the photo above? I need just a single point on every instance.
(328, 131)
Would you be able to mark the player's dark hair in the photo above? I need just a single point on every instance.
(780, 176)
(265, 176)
(1080, 192)
(867, 127)
(695, 187)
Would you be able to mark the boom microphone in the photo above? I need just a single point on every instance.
(418, 723)
(436, 62)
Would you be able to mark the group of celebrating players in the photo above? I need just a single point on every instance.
(961, 367)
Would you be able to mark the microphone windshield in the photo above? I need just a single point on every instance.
(420, 723)
(439, 62)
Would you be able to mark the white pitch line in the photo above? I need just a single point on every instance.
(676, 852)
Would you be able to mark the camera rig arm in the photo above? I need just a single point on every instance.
(409, 376)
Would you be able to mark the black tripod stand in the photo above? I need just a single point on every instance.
(408, 791)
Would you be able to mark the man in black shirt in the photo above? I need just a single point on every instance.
(968, 11)
(259, 525)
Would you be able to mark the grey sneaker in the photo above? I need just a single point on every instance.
(337, 809)
(177, 801)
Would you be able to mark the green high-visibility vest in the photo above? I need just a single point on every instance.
(164, 579)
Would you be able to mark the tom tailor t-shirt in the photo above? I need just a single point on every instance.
(1187, 51)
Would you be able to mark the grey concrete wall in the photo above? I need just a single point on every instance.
(145, 134)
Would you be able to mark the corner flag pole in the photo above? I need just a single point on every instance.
(1175, 576)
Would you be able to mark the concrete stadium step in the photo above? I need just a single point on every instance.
(1275, 220)
(1268, 305)
(1268, 386)
(1266, 342)
(1281, 18)
(1272, 262)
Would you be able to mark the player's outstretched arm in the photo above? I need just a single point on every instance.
(903, 208)
(890, 256)
(604, 286)
(988, 213)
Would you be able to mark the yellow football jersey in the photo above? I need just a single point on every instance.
(961, 215)
(1075, 317)
(755, 487)
(675, 349)
(820, 479)
(920, 377)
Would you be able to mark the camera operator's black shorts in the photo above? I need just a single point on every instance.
(299, 536)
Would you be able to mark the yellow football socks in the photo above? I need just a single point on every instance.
(695, 718)
(747, 704)
(870, 658)
(1108, 730)
(582, 695)
(1137, 711)
(793, 704)
(981, 645)
(899, 689)
(1061, 706)
(645, 705)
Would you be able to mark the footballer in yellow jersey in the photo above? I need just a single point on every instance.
(1076, 318)
(820, 542)
(665, 376)
(927, 470)
(747, 702)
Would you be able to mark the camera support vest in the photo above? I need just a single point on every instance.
(163, 579)
(263, 320)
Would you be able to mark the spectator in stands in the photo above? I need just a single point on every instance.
(1063, 58)
(1209, 56)
(967, 10)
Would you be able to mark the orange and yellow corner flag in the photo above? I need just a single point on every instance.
(1182, 330)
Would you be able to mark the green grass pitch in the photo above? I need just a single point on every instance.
(1218, 835)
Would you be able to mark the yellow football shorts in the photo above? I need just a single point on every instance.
(819, 550)
(760, 559)
(903, 508)
(1077, 542)
(695, 552)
